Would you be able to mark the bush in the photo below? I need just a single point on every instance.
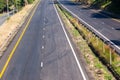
(2, 5)
(30, 1)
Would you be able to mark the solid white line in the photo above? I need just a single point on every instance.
(41, 64)
(80, 68)
(91, 27)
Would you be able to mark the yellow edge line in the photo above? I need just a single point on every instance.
(16, 45)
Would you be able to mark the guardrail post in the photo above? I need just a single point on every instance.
(110, 56)
(97, 40)
(103, 48)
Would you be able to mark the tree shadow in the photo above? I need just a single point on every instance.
(98, 15)
(116, 42)
(102, 13)
(65, 3)
(117, 28)
(69, 3)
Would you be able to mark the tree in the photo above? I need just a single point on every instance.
(30, 1)
(116, 2)
(2, 5)
(18, 4)
(25, 1)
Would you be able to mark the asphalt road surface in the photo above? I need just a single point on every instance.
(44, 52)
(3, 18)
(107, 26)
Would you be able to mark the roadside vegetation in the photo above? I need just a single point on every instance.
(13, 4)
(94, 49)
(109, 5)
(12, 25)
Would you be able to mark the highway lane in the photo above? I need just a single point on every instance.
(107, 26)
(44, 52)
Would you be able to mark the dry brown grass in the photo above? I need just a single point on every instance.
(13, 23)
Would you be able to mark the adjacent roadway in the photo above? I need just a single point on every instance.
(103, 25)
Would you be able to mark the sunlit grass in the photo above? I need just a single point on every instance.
(102, 48)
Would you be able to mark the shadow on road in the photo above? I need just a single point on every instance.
(69, 3)
(65, 3)
(98, 15)
(117, 29)
(117, 42)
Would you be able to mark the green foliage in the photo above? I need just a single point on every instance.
(108, 77)
(30, 1)
(100, 3)
(2, 5)
(18, 4)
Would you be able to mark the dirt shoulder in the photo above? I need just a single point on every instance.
(11, 26)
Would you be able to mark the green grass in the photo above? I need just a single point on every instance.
(75, 33)
(102, 48)
(98, 65)
(1, 14)
(83, 46)
(108, 77)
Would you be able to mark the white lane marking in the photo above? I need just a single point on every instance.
(73, 51)
(113, 28)
(43, 36)
(43, 28)
(41, 64)
(92, 27)
(43, 47)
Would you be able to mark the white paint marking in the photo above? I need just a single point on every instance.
(43, 28)
(113, 28)
(92, 28)
(43, 36)
(79, 66)
(41, 64)
(43, 47)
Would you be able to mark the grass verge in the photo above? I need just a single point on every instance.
(99, 71)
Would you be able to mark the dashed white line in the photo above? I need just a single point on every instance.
(43, 36)
(43, 28)
(73, 51)
(41, 64)
(113, 28)
(43, 47)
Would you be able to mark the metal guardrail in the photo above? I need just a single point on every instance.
(102, 59)
(97, 33)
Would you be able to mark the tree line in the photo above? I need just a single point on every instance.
(115, 2)
(13, 4)
(110, 5)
